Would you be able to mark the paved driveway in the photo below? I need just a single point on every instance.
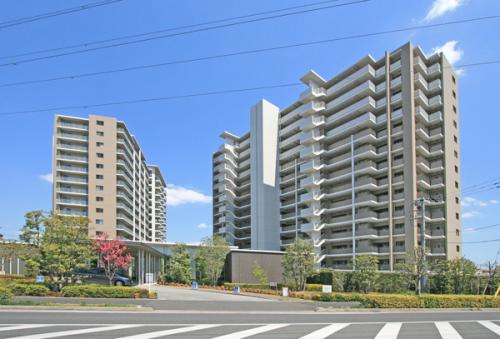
(185, 294)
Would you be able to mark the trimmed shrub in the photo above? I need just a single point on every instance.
(5, 296)
(98, 291)
(314, 287)
(28, 289)
(16, 278)
(376, 300)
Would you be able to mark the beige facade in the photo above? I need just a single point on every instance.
(100, 172)
(358, 150)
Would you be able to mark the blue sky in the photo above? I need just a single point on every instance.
(180, 135)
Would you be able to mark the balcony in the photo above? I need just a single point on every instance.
(78, 202)
(73, 147)
(312, 121)
(66, 168)
(312, 93)
(365, 104)
(362, 74)
(72, 136)
(355, 93)
(72, 190)
(73, 125)
(67, 178)
(311, 136)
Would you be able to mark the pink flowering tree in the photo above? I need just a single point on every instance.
(112, 256)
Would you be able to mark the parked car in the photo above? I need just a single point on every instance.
(97, 276)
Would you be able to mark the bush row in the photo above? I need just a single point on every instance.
(98, 291)
(17, 278)
(375, 300)
(5, 295)
(26, 289)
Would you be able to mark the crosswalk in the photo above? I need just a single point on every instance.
(483, 329)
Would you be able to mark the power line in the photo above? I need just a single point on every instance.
(479, 241)
(474, 229)
(192, 95)
(48, 15)
(86, 44)
(135, 101)
(181, 33)
(492, 183)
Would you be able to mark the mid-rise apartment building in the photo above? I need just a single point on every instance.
(100, 172)
(358, 150)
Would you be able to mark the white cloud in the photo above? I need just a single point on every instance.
(202, 225)
(471, 214)
(470, 230)
(441, 7)
(178, 195)
(450, 51)
(470, 201)
(46, 177)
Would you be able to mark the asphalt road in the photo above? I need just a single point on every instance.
(229, 325)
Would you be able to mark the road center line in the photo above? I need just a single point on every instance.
(76, 332)
(446, 330)
(389, 331)
(491, 326)
(325, 331)
(252, 331)
(157, 334)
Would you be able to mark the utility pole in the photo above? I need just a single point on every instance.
(296, 201)
(423, 279)
(353, 207)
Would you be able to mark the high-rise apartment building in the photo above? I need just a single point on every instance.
(245, 185)
(357, 151)
(99, 171)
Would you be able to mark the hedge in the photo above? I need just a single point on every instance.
(376, 300)
(5, 295)
(98, 291)
(27, 289)
(16, 278)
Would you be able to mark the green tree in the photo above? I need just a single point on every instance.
(179, 265)
(298, 263)
(64, 247)
(439, 279)
(33, 227)
(461, 275)
(404, 275)
(366, 273)
(417, 267)
(211, 257)
(260, 274)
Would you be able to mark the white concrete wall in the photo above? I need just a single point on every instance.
(264, 175)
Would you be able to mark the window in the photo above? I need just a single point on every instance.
(456, 169)
(457, 232)
(455, 153)
(455, 123)
(100, 133)
(457, 216)
(455, 138)
(454, 94)
(99, 144)
(453, 79)
(99, 176)
(99, 210)
(455, 109)
(457, 200)
(100, 155)
(99, 198)
(458, 248)
(100, 123)
(397, 157)
(456, 184)
(99, 222)
(99, 188)
(99, 165)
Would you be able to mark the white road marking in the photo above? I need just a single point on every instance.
(158, 334)
(252, 331)
(491, 326)
(325, 331)
(446, 330)
(21, 327)
(76, 332)
(389, 331)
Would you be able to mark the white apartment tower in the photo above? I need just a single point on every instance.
(100, 172)
(358, 150)
(245, 184)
